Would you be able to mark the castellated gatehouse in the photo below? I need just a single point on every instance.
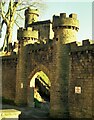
(48, 58)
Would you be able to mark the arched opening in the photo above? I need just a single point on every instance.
(39, 89)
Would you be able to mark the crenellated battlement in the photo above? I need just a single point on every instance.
(70, 22)
(86, 46)
(65, 28)
(27, 33)
(69, 66)
(39, 46)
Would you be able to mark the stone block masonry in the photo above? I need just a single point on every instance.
(69, 67)
(81, 75)
(9, 114)
(9, 64)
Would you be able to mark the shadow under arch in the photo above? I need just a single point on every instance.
(42, 74)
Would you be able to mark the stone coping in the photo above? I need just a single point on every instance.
(9, 113)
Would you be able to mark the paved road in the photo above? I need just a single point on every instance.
(31, 113)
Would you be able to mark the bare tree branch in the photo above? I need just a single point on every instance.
(32, 5)
(17, 23)
(20, 16)
(8, 16)
(5, 20)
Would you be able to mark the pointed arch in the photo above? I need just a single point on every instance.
(37, 70)
(41, 72)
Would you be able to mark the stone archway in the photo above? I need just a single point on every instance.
(37, 79)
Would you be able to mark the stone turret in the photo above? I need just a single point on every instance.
(65, 28)
(31, 15)
(27, 35)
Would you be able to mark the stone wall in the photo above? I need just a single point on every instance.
(81, 78)
(9, 77)
(59, 91)
(32, 59)
(69, 67)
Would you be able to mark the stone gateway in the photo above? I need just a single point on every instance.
(49, 50)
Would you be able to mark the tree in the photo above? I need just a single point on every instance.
(8, 16)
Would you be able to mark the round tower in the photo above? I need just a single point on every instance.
(27, 35)
(65, 28)
(31, 15)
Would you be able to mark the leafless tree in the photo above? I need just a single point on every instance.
(9, 16)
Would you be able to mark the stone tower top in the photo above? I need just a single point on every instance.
(67, 27)
(27, 35)
(31, 15)
(62, 21)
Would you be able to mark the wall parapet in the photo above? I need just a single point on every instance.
(86, 46)
(39, 46)
(27, 33)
